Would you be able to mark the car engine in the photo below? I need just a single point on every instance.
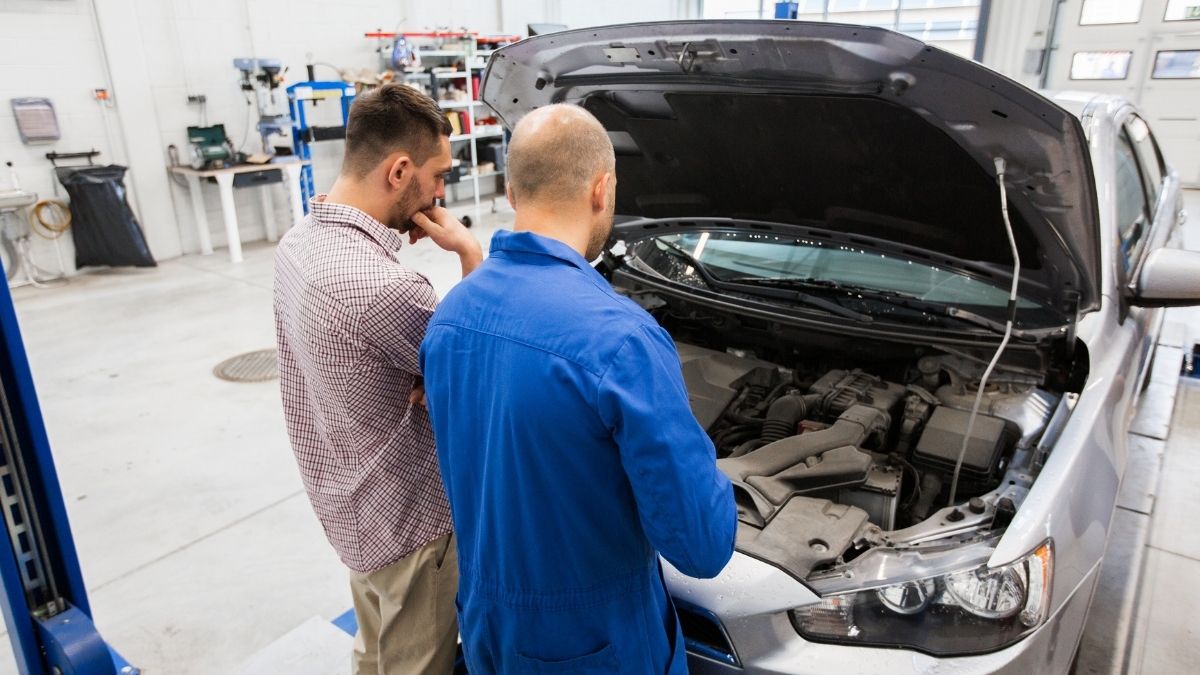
(828, 463)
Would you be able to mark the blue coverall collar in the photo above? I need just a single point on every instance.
(529, 242)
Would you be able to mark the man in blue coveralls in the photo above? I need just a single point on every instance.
(570, 456)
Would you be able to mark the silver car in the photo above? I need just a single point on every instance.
(915, 304)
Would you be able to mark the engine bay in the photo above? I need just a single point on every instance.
(829, 462)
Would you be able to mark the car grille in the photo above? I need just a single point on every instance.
(704, 636)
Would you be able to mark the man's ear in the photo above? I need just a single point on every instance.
(600, 191)
(400, 171)
(512, 201)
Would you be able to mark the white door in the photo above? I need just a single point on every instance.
(1145, 50)
(1170, 99)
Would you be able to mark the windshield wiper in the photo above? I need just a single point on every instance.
(893, 298)
(788, 294)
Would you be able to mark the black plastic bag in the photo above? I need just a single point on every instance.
(103, 226)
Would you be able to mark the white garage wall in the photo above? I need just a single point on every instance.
(1016, 35)
(190, 47)
(129, 71)
(515, 14)
(163, 50)
(583, 14)
(480, 15)
(50, 49)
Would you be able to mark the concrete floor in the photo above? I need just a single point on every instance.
(200, 550)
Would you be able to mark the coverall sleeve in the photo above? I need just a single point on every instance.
(395, 322)
(684, 502)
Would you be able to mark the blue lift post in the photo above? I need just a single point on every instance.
(304, 134)
(787, 10)
(45, 603)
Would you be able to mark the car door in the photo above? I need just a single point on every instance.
(1148, 210)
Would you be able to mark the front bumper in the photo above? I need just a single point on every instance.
(769, 645)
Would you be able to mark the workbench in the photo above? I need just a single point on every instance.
(224, 180)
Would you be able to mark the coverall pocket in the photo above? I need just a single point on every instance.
(603, 660)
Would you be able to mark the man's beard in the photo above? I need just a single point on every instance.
(599, 238)
(406, 207)
(600, 235)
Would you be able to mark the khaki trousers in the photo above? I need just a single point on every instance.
(406, 618)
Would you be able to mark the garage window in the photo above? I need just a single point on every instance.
(1105, 12)
(1100, 65)
(1182, 10)
(1177, 65)
(861, 5)
(952, 25)
(1131, 202)
(732, 9)
(931, 4)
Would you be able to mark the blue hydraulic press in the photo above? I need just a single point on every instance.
(304, 133)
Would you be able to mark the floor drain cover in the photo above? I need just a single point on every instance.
(258, 366)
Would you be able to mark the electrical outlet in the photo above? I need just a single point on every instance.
(199, 99)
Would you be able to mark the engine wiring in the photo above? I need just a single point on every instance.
(963, 354)
(1008, 328)
(915, 495)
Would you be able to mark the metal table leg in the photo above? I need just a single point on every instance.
(225, 183)
(268, 212)
(198, 214)
(295, 200)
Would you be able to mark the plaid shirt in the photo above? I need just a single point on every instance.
(349, 320)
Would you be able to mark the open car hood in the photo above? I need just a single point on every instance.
(848, 129)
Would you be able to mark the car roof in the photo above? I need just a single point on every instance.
(1079, 103)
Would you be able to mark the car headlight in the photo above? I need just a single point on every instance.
(970, 611)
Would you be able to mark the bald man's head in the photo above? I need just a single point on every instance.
(555, 153)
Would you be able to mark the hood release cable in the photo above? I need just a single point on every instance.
(1008, 328)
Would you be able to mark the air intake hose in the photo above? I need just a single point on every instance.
(785, 413)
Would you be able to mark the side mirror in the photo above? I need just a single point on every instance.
(1170, 277)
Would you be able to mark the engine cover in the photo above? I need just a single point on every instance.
(805, 534)
(713, 378)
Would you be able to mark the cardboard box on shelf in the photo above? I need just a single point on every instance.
(483, 168)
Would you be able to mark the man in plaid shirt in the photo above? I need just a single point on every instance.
(349, 321)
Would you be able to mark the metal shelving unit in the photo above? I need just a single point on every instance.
(434, 59)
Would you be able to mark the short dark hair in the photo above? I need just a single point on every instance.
(394, 117)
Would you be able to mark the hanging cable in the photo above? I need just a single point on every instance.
(54, 226)
(249, 120)
(173, 158)
(1008, 327)
(330, 65)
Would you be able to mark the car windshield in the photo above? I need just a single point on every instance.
(771, 259)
